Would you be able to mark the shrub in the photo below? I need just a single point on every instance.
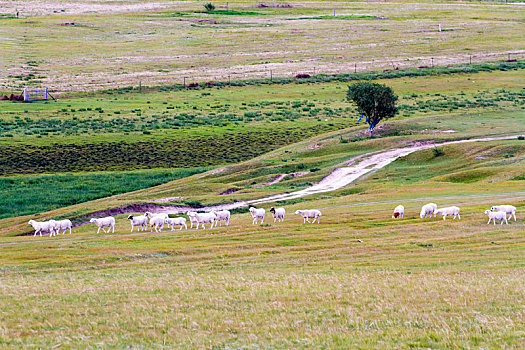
(438, 152)
(209, 7)
(302, 76)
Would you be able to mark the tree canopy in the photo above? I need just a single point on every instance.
(374, 101)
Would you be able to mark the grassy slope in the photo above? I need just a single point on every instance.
(31, 194)
(119, 48)
(408, 283)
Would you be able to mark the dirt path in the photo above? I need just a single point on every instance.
(357, 167)
(344, 176)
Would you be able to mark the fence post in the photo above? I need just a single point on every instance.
(355, 67)
(46, 94)
(470, 59)
(185, 82)
(25, 94)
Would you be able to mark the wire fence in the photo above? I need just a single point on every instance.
(344, 66)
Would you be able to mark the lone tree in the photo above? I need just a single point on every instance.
(374, 101)
(209, 7)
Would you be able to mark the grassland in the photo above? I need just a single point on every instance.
(356, 280)
(157, 42)
(32, 194)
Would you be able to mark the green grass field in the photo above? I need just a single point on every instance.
(152, 42)
(358, 279)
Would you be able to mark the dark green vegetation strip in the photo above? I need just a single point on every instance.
(189, 152)
(345, 77)
(24, 195)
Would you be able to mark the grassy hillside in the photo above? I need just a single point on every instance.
(358, 279)
(127, 135)
(115, 44)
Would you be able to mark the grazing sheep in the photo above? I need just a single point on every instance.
(257, 214)
(40, 226)
(156, 221)
(223, 215)
(205, 218)
(509, 209)
(449, 211)
(428, 209)
(63, 225)
(191, 215)
(278, 214)
(496, 215)
(162, 215)
(308, 214)
(139, 221)
(108, 222)
(399, 212)
(176, 222)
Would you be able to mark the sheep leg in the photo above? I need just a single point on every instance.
(444, 217)
(211, 224)
(459, 217)
(505, 221)
(36, 231)
(510, 216)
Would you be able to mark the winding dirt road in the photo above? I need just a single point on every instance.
(371, 162)
(360, 166)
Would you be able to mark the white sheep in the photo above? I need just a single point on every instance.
(39, 226)
(108, 222)
(428, 209)
(223, 215)
(191, 216)
(63, 225)
(205, 218)
(139, 221)
(399, 212)
(176, 222)
(150, 215)
(496, 215)
(308, 214)
(449, 211)
(509, 209)
(257, 214)
(278, 214)
(156, 221)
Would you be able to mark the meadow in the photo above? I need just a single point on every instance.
(164, 105)
(160, 42)
(358, 279)
(32, 194)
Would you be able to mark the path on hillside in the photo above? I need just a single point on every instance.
(344, 176)
(360, 166)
